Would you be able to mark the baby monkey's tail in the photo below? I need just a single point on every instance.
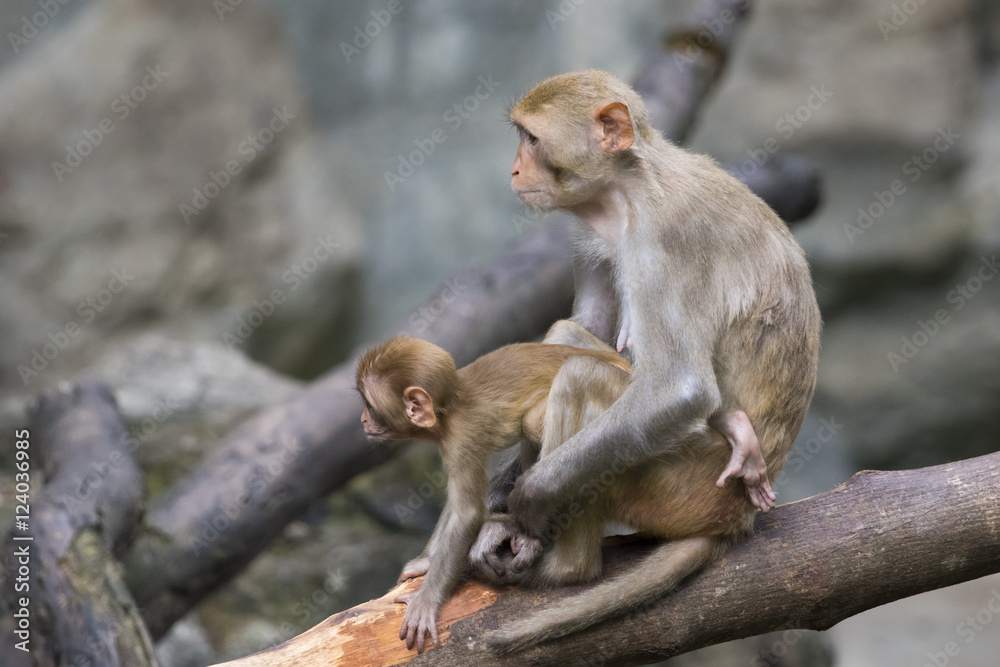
(656, 575)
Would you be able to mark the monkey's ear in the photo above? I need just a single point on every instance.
(419, 407)
(615, 127)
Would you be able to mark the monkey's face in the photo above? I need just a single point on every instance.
(375, 426)
(531, 179)
(563, 165)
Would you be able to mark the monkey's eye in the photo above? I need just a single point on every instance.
(527, 136)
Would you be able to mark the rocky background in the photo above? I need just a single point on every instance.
(209, 203)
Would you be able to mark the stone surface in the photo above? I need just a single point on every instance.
(179, 399)
(164, 180)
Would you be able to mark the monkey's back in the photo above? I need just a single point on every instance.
(767, 346)
(514, 382)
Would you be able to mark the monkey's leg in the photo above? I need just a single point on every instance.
(485, 558)
(747, 461)
(583, 389)
(565, 332)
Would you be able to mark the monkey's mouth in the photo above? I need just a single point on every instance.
(533, 198)
(377, 436)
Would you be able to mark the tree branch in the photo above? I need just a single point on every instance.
(879, 537)
(81, 520)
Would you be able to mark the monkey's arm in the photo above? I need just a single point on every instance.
(595, 304)
(418, 566)
(668, 400)
(447, 552)
(503, 480)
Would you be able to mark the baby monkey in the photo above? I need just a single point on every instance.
(411, 389)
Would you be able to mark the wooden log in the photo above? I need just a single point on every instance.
(80, 611)
(271, 468)
(879, 537)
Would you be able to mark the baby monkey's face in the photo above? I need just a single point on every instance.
(375, 427)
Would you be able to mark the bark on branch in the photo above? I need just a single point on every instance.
(269, 470)
(80, 523)
(879, 537)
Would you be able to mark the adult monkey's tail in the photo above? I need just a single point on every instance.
(652, 578)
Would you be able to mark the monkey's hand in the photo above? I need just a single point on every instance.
(531, 504)
(485, 557)
(748, 464)
(419, 620)
(415, 568)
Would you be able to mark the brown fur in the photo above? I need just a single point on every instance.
(411, 390)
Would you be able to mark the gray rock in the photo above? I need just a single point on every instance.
(165, 181)
(179, 398)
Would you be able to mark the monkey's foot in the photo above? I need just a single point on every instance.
(489, 558)
(419, 620)
(747, 462)
(750, 467)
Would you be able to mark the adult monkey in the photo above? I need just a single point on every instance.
(678, 260)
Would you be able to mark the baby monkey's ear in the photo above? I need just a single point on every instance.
(419, 407)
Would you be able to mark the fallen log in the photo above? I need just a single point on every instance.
(270, 469)
(879, 537)
(80, 523)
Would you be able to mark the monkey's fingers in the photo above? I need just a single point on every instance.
(495, 563)
(420, 639)
(762, 496)
(526, 551)
(733, 469)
